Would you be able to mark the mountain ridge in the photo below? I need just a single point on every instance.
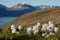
(21, 8)
(15, 11)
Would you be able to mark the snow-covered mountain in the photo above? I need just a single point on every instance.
(20, 9)
(47, 6)
(17, 10)
(21, 6)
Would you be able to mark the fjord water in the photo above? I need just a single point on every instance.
(4, 20)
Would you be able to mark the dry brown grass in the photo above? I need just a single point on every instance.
(41, 16)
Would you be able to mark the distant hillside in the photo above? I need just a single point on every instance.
(20, 9)
(47, 6)
(41, 16)
(2, 7)
(17, 10)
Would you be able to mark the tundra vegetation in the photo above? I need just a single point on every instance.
(46, 31)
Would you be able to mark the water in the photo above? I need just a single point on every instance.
(4, 20)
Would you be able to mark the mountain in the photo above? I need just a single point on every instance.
(17, 10)
(47, 6)
(2, 7)
(21, 6)
(41, 16)
(20, 9)
(2, 10)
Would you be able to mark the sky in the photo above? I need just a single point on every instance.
(10, 3)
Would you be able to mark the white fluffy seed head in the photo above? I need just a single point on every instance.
(50, 29)
(43, 34)
(51, 25)
(56, 29)
(36, 27)
(13, 26)
(51, 33)
(13, 31)
(20, 27)
(47, 36)
(29, 30)
(44, 29)
(38, 24)
(44, 25)
(50, 22)
(36, 31)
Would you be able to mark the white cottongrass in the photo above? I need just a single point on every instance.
(13, 26)
(44, 34)
(29, 30)
(51, 25)
(50, 29)
(44, 27)
(13, 31)
(56, 29)
(20, 27)
(47, 35)
(35, 29)
(38, 24)
(51, 33)
(50, 22)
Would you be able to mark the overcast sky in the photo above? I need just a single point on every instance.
(10, 3)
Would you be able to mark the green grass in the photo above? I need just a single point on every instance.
(24, 36)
